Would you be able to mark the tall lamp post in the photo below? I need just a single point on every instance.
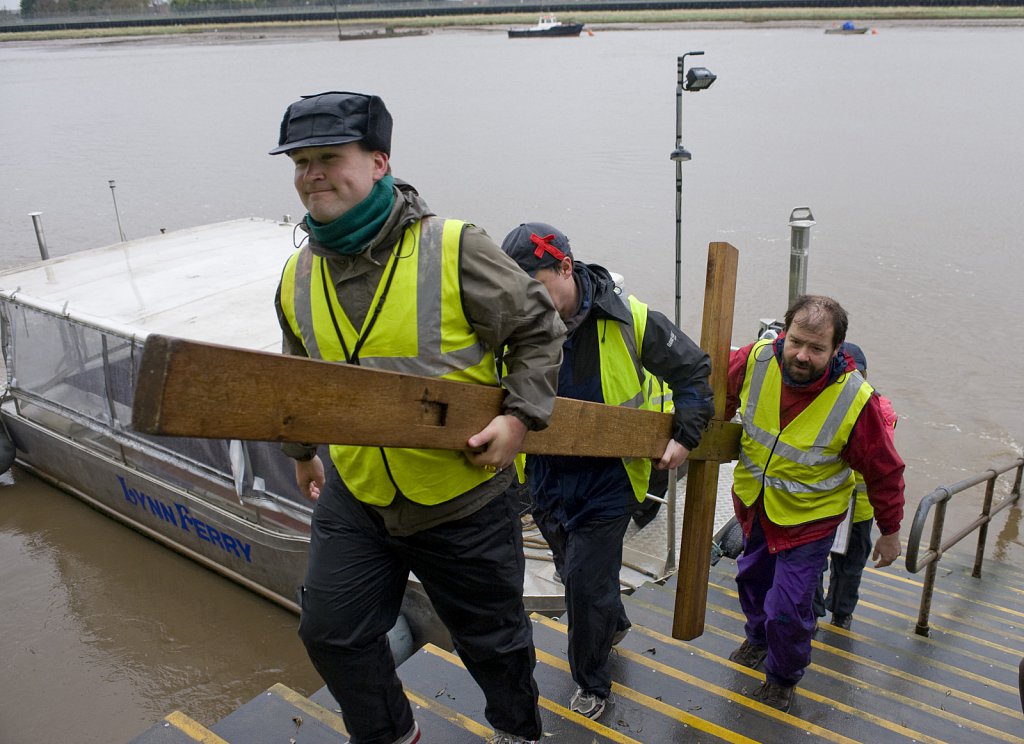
(695, 79)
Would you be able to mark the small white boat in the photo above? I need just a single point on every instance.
(547, 25)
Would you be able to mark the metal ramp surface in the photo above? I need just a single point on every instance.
(877, 682)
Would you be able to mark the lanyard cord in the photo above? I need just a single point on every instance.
(353, 356)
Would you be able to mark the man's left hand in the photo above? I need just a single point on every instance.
(497, 445)
(887, 549)
(675, 455)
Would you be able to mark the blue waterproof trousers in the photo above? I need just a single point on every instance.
(472, 570)
(776, 592)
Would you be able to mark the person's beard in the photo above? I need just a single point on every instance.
(802, 373)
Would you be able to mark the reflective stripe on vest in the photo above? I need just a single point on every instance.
(624, 380)
(862, 509)
(808, 479)
(420, 329)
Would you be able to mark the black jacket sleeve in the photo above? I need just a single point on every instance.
(670, 354)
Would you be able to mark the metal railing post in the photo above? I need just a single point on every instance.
(935, 546)
(37, 223)
(671, 564)
(937, 500)
(986, 509)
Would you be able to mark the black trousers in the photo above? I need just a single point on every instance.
(589, 558)
(472, 570)
(845, 574)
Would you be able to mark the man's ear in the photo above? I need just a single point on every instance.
(380, 165)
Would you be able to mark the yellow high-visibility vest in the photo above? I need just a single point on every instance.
(416, 325)
(797, 468)
(624, 381)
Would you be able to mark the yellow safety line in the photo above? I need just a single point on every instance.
(917, 679)
(954, 595)
(193, 729)
(987, 660)
(951, 560)
(452, 716)
(910, 702)
(604, 731)
(881, 691)
(559, 710)
(328, 718)
(983, 621)
(955, 633)
(665, 709)
(696, 722)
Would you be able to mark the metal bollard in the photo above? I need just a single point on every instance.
(37, 223)
(800, 222)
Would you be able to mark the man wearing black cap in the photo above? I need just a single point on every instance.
(384, 283)
(614, 348)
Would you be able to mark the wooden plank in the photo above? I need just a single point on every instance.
(702, 476)
(194, 389)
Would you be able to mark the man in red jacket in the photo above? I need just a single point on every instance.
(809, 421)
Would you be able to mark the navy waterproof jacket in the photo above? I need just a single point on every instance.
(579, 489)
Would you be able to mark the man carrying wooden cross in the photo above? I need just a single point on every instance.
(582, 505)
(382, 282)
(809, 421)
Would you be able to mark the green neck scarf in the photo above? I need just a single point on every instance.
(350, 233)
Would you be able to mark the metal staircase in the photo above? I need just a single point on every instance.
(877, 682)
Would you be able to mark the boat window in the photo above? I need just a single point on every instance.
(76, 379)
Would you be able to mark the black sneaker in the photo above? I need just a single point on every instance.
(842, 621)
(749, 655)
(774, 696)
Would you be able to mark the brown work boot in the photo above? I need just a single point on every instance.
(749, 655)
(774, 695)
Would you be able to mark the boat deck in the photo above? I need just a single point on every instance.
(877, 682)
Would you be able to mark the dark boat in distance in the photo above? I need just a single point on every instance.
(548, 25)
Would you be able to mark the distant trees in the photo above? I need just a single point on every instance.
(193, 5)
(70, 7)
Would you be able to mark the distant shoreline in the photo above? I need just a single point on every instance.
(367, 29)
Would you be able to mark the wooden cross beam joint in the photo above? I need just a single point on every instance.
(194, 389)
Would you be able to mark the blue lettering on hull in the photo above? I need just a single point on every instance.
(181, 516)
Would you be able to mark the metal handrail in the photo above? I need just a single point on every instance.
(939, 498)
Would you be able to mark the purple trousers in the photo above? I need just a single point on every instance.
(776, 593)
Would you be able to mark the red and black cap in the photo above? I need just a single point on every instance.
(536, 245)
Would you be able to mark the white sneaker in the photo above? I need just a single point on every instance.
(500, 737)
(587, 703)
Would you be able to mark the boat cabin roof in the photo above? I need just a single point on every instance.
(213, 283)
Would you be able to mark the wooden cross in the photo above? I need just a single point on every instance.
(193, 389)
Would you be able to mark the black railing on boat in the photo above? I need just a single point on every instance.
(938, 499)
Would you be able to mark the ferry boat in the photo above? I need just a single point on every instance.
(547, 25)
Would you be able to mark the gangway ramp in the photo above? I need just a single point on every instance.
(877, 682)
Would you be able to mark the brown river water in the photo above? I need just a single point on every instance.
(904, 143)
